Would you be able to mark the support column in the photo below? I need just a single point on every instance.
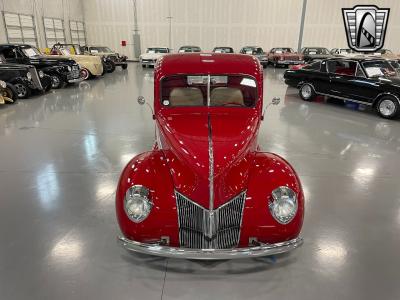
(303, 16)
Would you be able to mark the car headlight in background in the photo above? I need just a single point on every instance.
(3, 84)
(41, 74)
(29, 76)
(283, 204)
(137, 204)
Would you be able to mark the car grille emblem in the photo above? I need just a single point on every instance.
(365, 27)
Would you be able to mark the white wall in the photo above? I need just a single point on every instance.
(61, 9)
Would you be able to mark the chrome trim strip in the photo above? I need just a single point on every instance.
(210, 254)
(211, 165)
(342, 98)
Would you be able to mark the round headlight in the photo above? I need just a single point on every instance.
(29, 76)
(283, 204)
(41, 74)
(137, 204)
(3, 84)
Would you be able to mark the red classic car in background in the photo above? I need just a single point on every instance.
(206, 190)
(284, 57)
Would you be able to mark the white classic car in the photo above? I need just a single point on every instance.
(152, 54)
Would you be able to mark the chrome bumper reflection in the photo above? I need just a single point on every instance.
(209, 254)
(75, 80)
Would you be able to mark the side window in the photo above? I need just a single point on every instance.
(342, 67)
(315, 66)
(9, 53)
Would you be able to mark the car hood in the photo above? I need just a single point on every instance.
(151, 55)
(6, 66)
(205, 145)
(51, 60)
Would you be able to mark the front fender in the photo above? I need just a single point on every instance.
(268, 172)
(149, 169)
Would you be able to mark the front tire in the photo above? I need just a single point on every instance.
(10, 92)
(124, 67)
(23, 91)
(388, 107)
(110, 67)
(56, 81)
(307, 92)
(85, 74)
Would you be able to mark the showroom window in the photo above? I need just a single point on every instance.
(78, 35)
(20, 29)
(54, 31)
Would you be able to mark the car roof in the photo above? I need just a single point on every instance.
(359, 58)
(208, 63)
(189, 46)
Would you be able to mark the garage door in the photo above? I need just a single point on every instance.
(54, 31)
(20, 29)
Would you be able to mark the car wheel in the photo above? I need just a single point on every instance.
(56, 81)
(110, 66)
(23, 91)
(10, 92)
(85, 74)
(307, 92)
(124, 67)
(388, 107)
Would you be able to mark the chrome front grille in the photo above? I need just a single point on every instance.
(35, 78)
(200, 228)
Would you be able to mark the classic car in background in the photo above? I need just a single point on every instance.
(90, 66)
(4, 93)
(315, 53)
(344, 52)
(189, 49)
(284, 57)
(206, 190)
(22, 80)
(152, 54)
(369, 81)
(257, 52)
(112, 59)
(61, 70)
(223, 50)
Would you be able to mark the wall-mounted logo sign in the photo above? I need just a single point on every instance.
(365, 27)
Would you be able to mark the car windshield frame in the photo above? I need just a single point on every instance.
(368, 73)
(25, 50)
(208, 86)
(157, 50)
(324, 51)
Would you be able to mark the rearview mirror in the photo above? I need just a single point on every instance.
(276, 101)
(141, 100)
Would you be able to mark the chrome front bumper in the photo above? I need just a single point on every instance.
(210, 254)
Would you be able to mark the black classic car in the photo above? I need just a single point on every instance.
(113, 59)
(257, 52)
(368, 81)
(61, 70)
(223, 50)
(22, 80)
(315, 53)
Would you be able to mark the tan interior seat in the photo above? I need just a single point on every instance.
(224, 95)
(186, 96)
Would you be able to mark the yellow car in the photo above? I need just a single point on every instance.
(90, 65)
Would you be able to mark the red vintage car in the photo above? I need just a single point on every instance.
(284, 57)
(206, 190)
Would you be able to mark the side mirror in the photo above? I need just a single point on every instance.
(276, 101)
(141, 100)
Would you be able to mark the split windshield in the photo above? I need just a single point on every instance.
(205, 90)
(379, 69)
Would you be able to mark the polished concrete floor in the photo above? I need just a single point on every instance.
(61, 155)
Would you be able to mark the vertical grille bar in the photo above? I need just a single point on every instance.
(192, 223)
